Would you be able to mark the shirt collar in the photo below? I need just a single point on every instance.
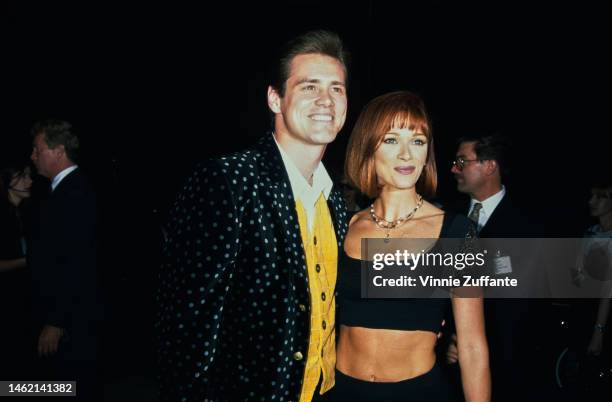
(61, 175)
(489, 205)
(307, 194)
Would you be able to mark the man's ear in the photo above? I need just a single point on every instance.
(274, 100)
(59, 150)
(491, 166)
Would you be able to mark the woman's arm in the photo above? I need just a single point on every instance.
(473, 349)
(603, 310)
(9, 265)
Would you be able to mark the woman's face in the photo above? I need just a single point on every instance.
(600, 202)
(400, 158)
(21, 184)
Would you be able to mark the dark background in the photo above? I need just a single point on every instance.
(154, 88)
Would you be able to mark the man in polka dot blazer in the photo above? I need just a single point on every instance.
(247, 304)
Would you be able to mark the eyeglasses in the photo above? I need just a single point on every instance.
(459, 163)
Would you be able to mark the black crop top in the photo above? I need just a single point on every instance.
(404, 314)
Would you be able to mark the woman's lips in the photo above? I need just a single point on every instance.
(405, 169)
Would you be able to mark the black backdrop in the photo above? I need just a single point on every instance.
(155, 88)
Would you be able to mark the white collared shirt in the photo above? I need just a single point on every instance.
(60, 176)
(488, 206)
(307, 194)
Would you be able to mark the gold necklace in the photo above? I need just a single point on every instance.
(388, 225)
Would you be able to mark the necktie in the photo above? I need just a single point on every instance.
(475, 214)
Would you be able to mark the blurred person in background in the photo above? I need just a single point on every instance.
(15, 186)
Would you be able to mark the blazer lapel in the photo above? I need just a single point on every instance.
(337, 208)
(283, 206)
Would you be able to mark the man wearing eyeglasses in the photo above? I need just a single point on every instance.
(480, 166)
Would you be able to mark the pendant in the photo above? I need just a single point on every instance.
(387, 240)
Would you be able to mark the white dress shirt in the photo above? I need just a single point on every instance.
(307, 194)
(61, 175)
(488, 206)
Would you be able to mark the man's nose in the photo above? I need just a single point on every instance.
(325, 99)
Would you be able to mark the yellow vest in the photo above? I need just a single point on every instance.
(321, 248)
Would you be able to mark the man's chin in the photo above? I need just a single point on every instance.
(461, 188)
(324, 137)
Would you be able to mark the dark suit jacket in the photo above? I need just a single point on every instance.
(511, 222)
(509, 321)
(62, 257)
(507, 220)
(234, 293)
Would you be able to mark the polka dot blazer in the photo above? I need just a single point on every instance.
(234, 296)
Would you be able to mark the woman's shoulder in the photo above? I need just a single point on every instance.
(430, 210)
(359, 217)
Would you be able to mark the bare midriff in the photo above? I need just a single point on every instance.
(384, 355)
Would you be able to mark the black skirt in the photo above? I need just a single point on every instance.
(432, 386)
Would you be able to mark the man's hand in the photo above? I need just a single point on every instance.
(49, 340)
(452, 353)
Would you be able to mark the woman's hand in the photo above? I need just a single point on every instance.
(577, 277)
(596, 343)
